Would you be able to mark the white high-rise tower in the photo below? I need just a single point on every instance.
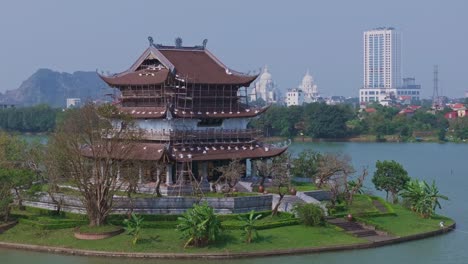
(382, 69)
(382, 58)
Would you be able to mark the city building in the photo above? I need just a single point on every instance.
(382, 68)
(294, 97)
(193, 111)
(6, 106)
(73, 102)
(265, 88)
(309, 88)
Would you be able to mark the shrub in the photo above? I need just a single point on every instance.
(199, 226)
(133, 227)
(248, 227)
(310, 214)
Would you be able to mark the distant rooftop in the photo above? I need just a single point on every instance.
(382, 28)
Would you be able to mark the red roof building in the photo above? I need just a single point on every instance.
(193, 110)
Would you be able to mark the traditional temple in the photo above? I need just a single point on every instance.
(194, 112)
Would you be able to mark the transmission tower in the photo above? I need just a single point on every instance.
(436, 100)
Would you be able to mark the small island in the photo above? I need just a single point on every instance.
(172, 170)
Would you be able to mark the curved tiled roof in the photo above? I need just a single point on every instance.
(194, 64)
(138, 151)
(249, 112)
(141, 77)
(144, 112)
(228, 152)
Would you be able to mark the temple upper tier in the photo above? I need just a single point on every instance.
(185, 81)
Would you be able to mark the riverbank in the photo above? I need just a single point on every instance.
(162, 241)
(360, 138)
(225, 255)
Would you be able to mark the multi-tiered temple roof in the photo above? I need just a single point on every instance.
(194, 106)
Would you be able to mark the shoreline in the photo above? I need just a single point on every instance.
(370, 139)
(226, 255)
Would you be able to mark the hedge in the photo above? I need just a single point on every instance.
(54, 224)
(260, 226)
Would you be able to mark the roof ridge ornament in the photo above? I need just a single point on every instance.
(151, 41)
(205, 41)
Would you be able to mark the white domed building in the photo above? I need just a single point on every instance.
(265, 88)
(309, 88)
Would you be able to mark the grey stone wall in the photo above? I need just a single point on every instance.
(162, 205)
(319, 195)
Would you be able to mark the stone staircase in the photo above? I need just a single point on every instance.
(353, 228)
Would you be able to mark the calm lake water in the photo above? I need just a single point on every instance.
(447, 164)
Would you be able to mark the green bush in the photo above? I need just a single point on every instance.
(238, 225)
(310, 214)
(199, 225)
(45, 224)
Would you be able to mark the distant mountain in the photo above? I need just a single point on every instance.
(53, 88)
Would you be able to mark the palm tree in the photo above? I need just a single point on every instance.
(422, 197)
(133, 227)
(199, 225)
(433, 194)
(249, 226)
(413, 192)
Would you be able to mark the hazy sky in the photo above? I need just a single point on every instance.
(288, 36)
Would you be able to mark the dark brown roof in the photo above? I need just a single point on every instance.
(227, 153)
(161, 112)
(200, 66)
(144, 112)
(250, 112)
(141, 77)
(154, 151)
(139, 151)
(196, 65)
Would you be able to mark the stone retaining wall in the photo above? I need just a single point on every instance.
(319, 195)
(162, 205)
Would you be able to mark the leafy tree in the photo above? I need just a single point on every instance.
(40, 118)
(21, 180)
(310, 214)
(326, 121)
(133, 227)
(5, 195)
(306, 164)
(248, 227)
(391, 177)
(422, 197)
(199, 226)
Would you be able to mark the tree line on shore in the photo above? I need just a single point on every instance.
(35, 119)
(319, 120)
(316, 120)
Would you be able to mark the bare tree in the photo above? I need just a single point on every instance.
(278, 169)
(230, 175)
(158, 168)
(330, 165)
(355, 186)
(88, 151)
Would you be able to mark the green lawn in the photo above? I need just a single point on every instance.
(407, 222)
(167, 240)
(304, 186)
